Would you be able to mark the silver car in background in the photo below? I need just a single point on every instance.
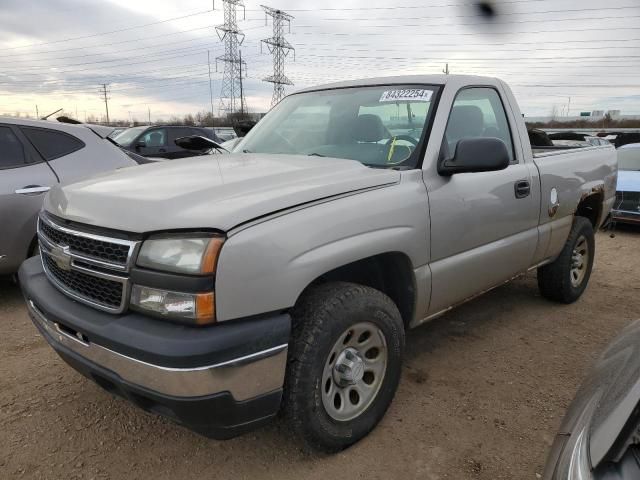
(34, 156)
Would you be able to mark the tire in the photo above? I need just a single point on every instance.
(321, 322)
(557, 281)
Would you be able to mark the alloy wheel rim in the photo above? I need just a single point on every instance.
(579, 261)
(354, 371)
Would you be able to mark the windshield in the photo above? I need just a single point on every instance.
(629, 158)
(377, 126)
(127, 136)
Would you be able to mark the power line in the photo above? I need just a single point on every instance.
(440, 34)
(62, 40)
(409, 7)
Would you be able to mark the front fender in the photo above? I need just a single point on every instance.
(266, 266)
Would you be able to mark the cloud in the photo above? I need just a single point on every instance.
(547, 51)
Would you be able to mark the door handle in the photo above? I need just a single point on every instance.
(522, 188)
(162, 150)
(32, 190)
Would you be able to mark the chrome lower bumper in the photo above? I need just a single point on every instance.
(244, 378)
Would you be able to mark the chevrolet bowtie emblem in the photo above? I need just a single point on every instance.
(61, 256)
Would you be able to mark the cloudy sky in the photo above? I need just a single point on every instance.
(153, 53)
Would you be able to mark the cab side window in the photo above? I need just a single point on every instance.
(155, 138)
(11, 150)
(478, 112)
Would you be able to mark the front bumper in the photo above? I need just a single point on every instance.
(219, 381)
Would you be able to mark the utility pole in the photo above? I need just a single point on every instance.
(233, 38)
(569, 107)
(149, 113)
(37, 114)
(446, 70)
(241, 89)
(279, 47)
(210, 88)
(104, 91)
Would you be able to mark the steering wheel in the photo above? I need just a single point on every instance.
(390, 146)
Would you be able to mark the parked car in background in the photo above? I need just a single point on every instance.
(225, 133)
(117, 131)
(627, 206)
(159, 141)
(599, 438)
(597, 141)
(625, 138)
(34, 156)
(289, 275)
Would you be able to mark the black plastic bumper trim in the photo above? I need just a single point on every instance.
(151, 340)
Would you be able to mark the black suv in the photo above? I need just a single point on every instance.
(160, 141)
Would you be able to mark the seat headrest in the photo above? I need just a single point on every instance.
(369, 128)
(466, 121)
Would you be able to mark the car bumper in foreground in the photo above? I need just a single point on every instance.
(219, 381)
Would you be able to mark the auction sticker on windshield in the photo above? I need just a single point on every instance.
(415, 94)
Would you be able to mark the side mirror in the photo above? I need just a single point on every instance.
(198, 143)
(141, 144)
(476, 155)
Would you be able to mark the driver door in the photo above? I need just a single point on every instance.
(484, 230)
(153, 143)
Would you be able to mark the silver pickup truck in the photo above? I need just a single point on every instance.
(221, 289)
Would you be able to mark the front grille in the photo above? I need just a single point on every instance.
(90, 268)
(108, 251)
(99, 290)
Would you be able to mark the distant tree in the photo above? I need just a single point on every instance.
(189, 120)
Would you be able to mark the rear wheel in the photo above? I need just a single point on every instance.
(345, 364)
(567, 277)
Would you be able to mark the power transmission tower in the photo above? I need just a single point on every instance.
(279, 47)
(233, 38)
(104, 91)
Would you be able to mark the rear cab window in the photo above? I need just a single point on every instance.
(52, 144)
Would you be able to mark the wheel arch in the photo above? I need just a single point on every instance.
(590, 207)
(389, 272)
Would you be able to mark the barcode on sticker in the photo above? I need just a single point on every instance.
(415, 94)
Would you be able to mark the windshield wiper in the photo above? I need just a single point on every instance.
(246, 150)
(315, 155)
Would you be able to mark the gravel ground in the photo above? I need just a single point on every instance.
(484, 389)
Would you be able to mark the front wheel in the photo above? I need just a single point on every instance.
(567, 277)
(345, 364)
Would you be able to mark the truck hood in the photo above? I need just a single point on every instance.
(213, 191)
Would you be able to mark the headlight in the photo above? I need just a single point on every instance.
(188, 255)
(181, 254)
(193, 308)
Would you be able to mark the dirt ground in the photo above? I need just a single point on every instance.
(483, 391)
